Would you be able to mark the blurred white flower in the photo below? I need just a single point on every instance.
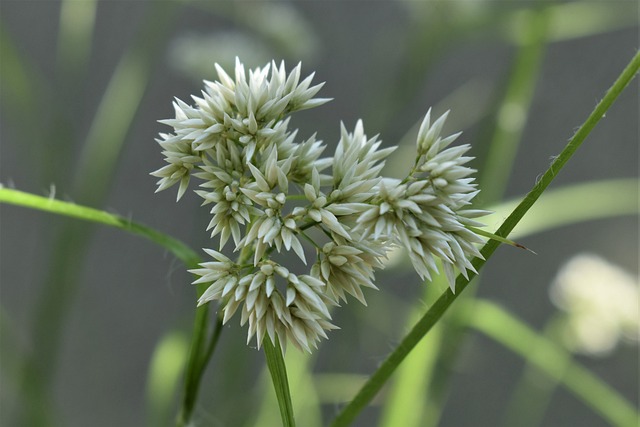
(427, 212)
(601, 302)
(267, 190)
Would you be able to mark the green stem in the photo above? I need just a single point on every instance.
(498, 324)
(278, 371)
(433, 315)
(32, 201)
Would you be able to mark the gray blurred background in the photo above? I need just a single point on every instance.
(384, 62)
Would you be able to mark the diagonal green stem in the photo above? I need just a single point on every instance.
(435, 312)
(565, 205)
(20, 198)
(509, 123)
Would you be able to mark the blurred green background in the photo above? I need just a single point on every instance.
(83, 83)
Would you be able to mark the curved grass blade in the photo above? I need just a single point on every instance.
(498, 324)
(33, 201)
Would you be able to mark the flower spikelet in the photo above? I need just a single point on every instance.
(426, 212)
(269, 192)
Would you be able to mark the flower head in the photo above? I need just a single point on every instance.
(601, 304)
(270, 192)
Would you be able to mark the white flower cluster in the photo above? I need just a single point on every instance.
(601, 304)
(268, 191)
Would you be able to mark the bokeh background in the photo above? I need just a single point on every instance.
(83, 85)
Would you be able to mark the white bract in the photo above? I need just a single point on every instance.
(270, 192)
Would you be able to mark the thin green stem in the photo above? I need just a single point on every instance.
(278, 371)
(436, 311)
(302, 384)
(296, 197)
(77, 21)
(538, 350)
(498, 238)
(20, 198)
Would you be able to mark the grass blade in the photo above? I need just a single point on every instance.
(503, 327)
